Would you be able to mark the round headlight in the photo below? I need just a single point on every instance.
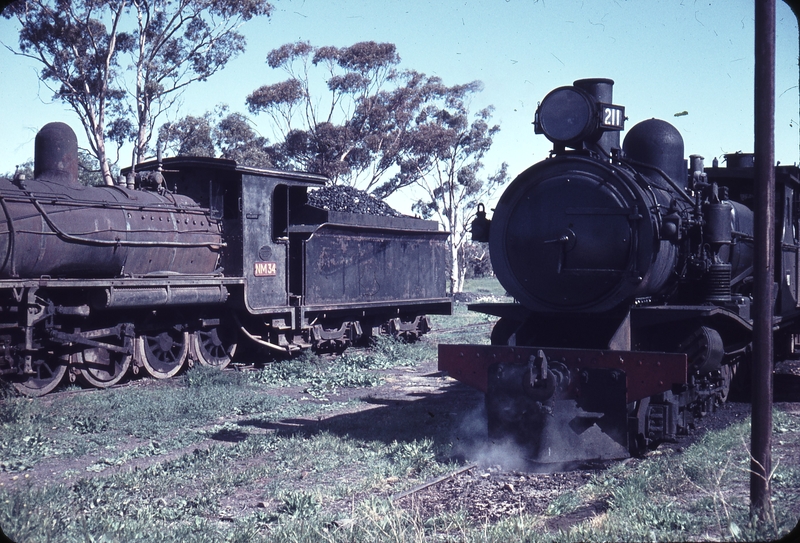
(567, 115)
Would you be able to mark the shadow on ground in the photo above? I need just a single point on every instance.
(453, 417)
(449, 414)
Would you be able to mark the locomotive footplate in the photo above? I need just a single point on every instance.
(564, 405)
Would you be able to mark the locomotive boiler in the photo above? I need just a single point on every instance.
(188, 257)
(631, 273)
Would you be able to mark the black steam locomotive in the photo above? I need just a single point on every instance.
(190, 257)
(632, 280)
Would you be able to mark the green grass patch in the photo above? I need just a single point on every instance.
(355, 368)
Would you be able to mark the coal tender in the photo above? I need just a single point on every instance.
(188, 257)
(631, 273)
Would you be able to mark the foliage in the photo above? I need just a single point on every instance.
(89, 172)
(352, 130)
(219, 134)
(367, 119)
(450, 175)
(352, 369)
(477, 262)
(121, 64)
(373, 120)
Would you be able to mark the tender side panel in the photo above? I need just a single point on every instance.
(363, 264)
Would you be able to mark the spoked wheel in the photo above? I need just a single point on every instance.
(47, 374)
(163, 355)
(727, 375)
(214, 346)
(102, 368)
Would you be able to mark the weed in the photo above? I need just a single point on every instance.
(412, 457)
(563, 503)
(321, 377)
(205, 442)
(298, 503)
(203, 376)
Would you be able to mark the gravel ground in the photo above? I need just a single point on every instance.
(490, 492)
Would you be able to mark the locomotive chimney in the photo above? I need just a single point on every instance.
(603, 91)
(56, 154)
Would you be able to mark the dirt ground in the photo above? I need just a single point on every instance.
(492, 487)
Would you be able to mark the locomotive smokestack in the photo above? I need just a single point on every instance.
(56, 154)
(603, 91)
(600, 88)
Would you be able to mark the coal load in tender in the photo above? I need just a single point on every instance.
(350, 200)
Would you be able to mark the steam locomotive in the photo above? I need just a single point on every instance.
(191, 256)
(631, 272)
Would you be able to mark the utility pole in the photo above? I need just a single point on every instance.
(764, 269)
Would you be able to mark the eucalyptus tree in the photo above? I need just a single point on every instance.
(353, 115)
(120, 64)
(342, 112)
(217, 134)
(447, 165)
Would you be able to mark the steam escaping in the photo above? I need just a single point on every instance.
(567, 439)
(471, 441)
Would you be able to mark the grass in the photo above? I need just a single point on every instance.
(465, 326)
(275, 454)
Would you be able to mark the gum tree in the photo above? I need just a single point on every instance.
(119, 64)
(351, 114)
(447, 165)
(342, 112)
(217, 134)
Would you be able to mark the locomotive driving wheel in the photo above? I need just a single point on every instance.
(163, 354)
(503, 330)
(102, 368)
(727, 373)
(214, 346)
(46, 376)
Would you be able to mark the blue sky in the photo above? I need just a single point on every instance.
(666, 57)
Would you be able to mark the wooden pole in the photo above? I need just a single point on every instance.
(763, 273)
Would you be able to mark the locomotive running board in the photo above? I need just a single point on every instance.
(646, 373)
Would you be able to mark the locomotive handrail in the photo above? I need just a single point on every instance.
(663, 174)
(11, 239)
(119, 242)
(31, 197)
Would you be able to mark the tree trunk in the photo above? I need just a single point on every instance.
(455, 285)
(95, 131)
